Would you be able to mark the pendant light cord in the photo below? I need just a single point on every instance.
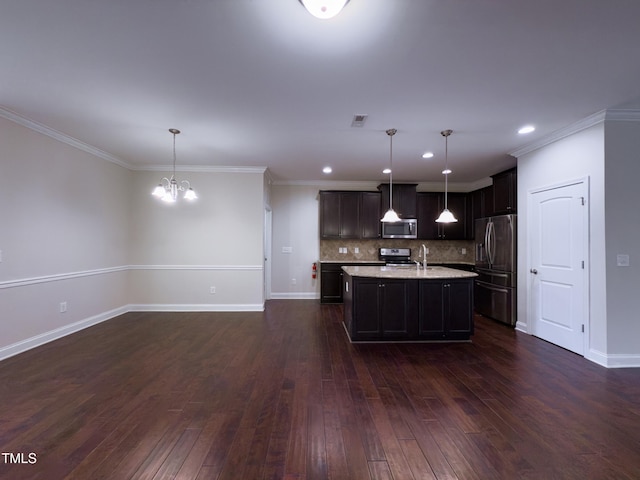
(391, 132)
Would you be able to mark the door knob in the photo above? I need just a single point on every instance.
(534, 271)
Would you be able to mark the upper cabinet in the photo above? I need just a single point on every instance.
(404, 199)
(347, 214)
(429, 207)
(505, 192)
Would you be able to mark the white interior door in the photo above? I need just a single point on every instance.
(557, 265)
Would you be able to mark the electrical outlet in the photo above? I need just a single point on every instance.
(63, 307)
(464, 251)
(293, 281)
(622, 260)
(356, 250)
(212, 290)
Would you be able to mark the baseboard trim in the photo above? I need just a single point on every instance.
(295, 296)
(205, 307)
(38, 340)
(614, 360)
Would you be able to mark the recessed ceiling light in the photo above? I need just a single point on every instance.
(386, 171)
(526, 129)
(327, 170)
(427, 155)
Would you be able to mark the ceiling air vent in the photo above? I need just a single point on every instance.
(358, 120)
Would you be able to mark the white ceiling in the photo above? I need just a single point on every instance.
(263, 83)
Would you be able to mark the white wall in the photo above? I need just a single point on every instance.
(63, 237)
(295, 225)
(622, 171)
(79, 229)
(606, 153)
(179, 251)
(577, 156)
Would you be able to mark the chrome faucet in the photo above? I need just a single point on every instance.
(424, 256)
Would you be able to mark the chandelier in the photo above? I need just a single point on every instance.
(324, 9)
(168, 188)
(446, 216)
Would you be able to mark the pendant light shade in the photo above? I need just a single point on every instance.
(168, 188)
(324, 9)
(446, 216)
(391, 215)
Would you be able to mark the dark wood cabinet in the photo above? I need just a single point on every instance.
(446, 309)
(404, 199)
(505, 192)
(408, 309)
(370, 215)
(480, 205)
(383, 308)
(349, 214)
(331, 284)
(429, 207)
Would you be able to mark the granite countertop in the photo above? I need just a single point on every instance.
(340, 262)
(411, 272)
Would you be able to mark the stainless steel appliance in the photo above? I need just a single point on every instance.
(495, 286)
(405, 228)
(395, 256)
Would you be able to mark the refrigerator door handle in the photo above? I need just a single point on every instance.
(491, 242)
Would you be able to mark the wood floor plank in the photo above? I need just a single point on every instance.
(284, 394)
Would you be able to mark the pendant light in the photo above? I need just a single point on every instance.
(391, 215)
(324, 9)
(446, 216)
(168, 188)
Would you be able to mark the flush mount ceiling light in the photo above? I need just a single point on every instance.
(168, 188)
(324, 9)
(427, 155)
(527, 129)
(446, 216)
(391, 215)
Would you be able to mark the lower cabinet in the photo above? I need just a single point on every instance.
(401, 309)
(446, 309)
(331, 280)
(383, 307)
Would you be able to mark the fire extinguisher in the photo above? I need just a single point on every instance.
(314, 270)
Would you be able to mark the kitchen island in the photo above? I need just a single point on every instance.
(408, 303)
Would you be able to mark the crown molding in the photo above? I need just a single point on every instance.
(200, 169)
(61, 137)
(620, 115)
(567, 131)
(372, 186)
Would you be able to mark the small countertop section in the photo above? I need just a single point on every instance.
(342, 262)
(409, 272)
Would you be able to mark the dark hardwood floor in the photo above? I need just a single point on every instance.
(284, 395)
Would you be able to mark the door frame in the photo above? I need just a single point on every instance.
(584, 181)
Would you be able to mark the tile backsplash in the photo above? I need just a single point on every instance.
(440, 251)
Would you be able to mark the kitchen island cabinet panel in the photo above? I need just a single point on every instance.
(383, 308)
(446, 309)
(431, 310)
(408, 305)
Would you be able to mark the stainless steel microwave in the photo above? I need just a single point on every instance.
(405, 228)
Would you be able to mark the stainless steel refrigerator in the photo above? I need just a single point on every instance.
(495, 286)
